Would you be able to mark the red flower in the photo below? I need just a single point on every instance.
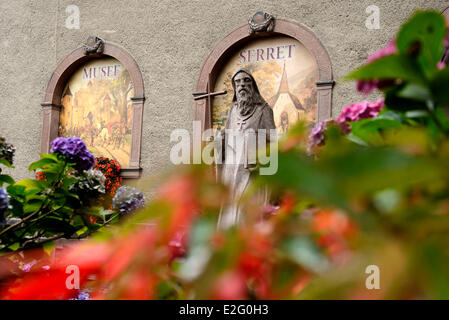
(230, 286)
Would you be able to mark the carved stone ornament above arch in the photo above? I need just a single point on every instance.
(247, 33)
(94, 48)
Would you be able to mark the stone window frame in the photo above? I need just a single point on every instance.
(237, 39)
(52, 101)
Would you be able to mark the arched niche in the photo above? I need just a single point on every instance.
(241, 36)
(66, 68)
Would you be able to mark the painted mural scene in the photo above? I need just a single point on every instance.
(286, 74)
(326, 177)
(97, 107)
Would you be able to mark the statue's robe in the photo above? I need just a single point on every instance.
(239, 164)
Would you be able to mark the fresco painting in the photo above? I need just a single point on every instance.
(97, 107)
(286, 74)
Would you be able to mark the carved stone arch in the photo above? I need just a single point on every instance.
(238, 38)
(52, 100)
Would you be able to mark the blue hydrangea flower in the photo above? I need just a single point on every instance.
(4, 205)
(75, 150)
(128, 199)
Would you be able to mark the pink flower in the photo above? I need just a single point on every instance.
(367, 86)
(177, 245)
(441, 65)
(316, 137)
(389, 50)
(360, 110)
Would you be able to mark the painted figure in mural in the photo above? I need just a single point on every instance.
(284, 122)
(249, 114)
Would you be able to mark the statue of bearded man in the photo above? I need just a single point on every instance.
(249, 114)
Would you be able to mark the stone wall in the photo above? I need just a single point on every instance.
(170, 41)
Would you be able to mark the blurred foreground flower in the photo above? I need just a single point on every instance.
(317, 135)
(367, 86)
(358, 111)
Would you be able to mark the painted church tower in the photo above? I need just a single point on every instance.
(286, 106)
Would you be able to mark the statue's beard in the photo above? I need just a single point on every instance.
(245, 104)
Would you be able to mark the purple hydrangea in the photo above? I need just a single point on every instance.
(75, 150)
(128, 199)
(358, 111)
(367, 86)
(4, 205)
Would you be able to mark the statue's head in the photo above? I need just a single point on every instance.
(246, 92)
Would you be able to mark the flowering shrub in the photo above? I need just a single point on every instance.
(75, 150)
(65, 200)
(111, 171)
(378, 195)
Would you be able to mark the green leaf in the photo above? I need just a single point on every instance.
(390, 67)
(82, 231)
(6, 163)
(67, 182)
(104, 212)
(415, 92)
(369, 130)
(32, 206)
(4, 178)
(14, 246)
(442, 115)
(51, 156)
(440, 87)
(56, 225)
(41, 164)
(94, 211)
(397, 103)
(15, 190)
(30, 184)
(49, 247)
(427, 30)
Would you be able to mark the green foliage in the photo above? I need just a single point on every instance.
(417, 93)
(63, 203)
